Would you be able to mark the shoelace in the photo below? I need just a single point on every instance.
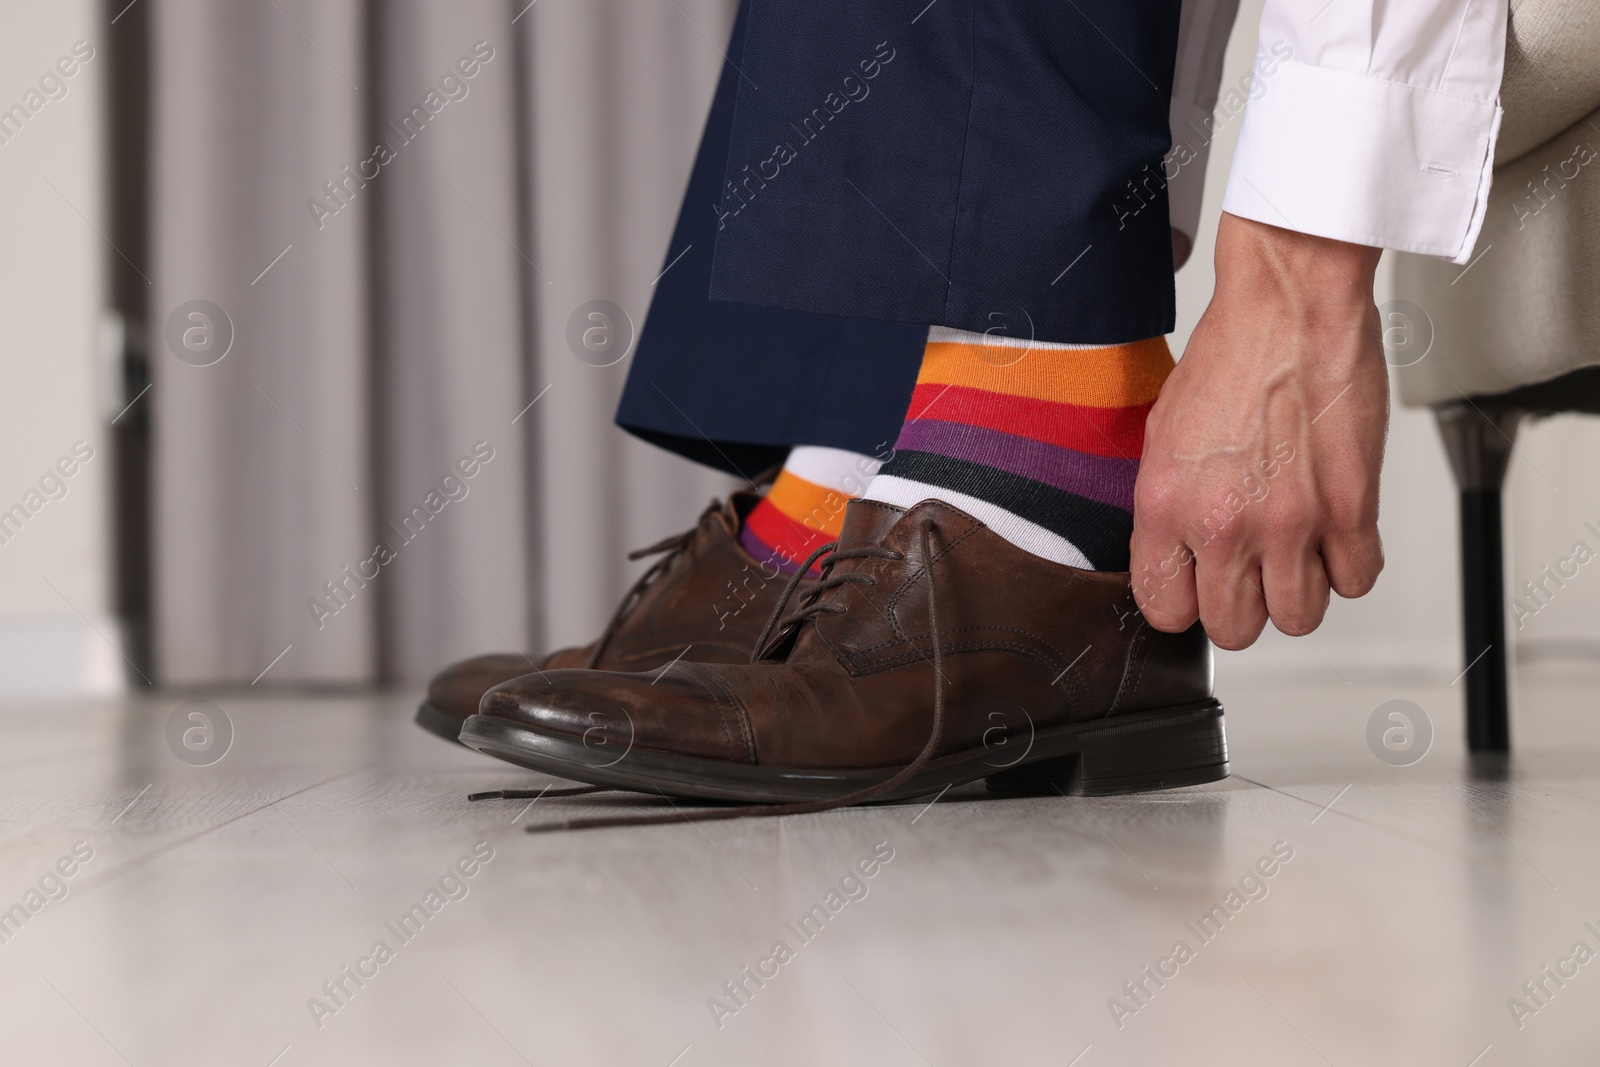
(535, 794)
(811, 605)
(810, 608)
(672, 546)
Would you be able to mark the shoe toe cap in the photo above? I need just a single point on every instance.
(675, 711)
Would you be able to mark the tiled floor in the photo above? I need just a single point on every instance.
(1406, 906)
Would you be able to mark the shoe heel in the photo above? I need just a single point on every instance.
(1150, 750)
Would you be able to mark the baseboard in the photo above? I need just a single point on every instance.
(60, 657)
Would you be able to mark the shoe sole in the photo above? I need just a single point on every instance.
(1137, 752)
(438, 723)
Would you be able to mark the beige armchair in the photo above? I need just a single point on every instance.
(1515, 333)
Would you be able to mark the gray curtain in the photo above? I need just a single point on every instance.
(397, 206)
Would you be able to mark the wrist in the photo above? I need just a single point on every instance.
(1305, 277)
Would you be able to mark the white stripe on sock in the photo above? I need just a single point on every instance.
(945, 335)
(832, 468)
(1028, 536)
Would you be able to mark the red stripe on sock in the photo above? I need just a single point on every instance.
(1113, 432)
(783, 535)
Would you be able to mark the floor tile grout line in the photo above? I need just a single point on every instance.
(1360, 820)
(113, 873)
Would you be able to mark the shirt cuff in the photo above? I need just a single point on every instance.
(1361, 159)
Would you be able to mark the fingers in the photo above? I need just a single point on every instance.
(1236, 598)
(1231, 604)
(1295, 590)
(1169, 604)
(1232, 596)
(1162, 573)
(1353, 560)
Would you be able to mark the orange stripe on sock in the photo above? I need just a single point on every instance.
(1114, 376)
(815, 507)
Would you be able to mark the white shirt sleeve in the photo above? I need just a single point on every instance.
(1373, 122)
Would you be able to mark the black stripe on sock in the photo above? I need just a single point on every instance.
(1099, 530)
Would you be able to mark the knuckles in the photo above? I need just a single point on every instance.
(1157, 496)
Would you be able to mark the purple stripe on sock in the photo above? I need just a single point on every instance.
(1107, 480)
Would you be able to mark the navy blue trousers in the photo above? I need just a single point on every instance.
(734, 385)
(991, 165)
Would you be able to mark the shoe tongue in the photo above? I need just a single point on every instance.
(872, 522)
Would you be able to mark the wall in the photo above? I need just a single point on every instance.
(54, 576)
(55, 631)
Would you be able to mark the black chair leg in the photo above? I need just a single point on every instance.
(1480, 444)
(1484, 621)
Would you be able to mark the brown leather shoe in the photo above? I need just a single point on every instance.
(1051, 680)
(705, 600)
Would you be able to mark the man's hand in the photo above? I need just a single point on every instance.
(1258, 490)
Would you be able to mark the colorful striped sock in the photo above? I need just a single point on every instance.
(1040, 442)
(804, 509)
